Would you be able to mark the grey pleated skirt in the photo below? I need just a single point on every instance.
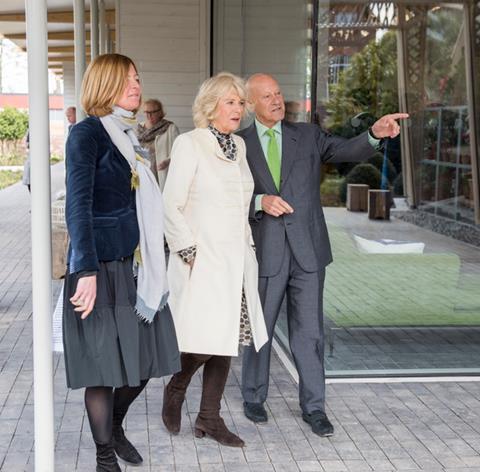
(112, 346)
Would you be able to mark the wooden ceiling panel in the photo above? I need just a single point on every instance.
(56, 16)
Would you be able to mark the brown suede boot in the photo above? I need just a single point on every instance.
(174, 393)
(208, 421)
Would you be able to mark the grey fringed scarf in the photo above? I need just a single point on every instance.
(152, 288)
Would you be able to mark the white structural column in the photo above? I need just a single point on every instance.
(94, 29)
(102, 27)
(36, 17)
(79, 38)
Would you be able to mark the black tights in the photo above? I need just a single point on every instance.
(107, 407)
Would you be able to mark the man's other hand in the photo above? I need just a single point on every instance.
(275, 205)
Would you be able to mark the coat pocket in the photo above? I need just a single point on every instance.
(193, 267)
(107, 237)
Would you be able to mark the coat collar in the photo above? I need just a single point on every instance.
(209, 138)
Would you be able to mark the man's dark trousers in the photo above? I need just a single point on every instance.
(305, 326)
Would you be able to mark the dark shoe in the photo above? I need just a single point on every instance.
(216, 429)
(172, 408)
(255, 412)
(106, 458)
(319, 422)
(124, 448)
(103, 468)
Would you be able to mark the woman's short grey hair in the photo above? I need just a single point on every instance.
(156, 103)
(209, 94)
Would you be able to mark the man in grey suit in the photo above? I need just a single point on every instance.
(291, 239)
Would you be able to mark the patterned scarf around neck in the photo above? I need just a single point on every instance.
(152, 288)
(147, 135)
(226, 142)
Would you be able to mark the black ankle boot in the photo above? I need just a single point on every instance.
(124, 448)
(106, 458)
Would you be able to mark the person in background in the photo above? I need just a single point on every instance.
(156, 135)
(71, 114)
(212, 269)
(293, 111)
(26, 164)
(117, 327)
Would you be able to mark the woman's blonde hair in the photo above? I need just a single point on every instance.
(209, 94)
(104, 82)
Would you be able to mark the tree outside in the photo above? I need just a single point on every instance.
(13, 129)
(366, 90)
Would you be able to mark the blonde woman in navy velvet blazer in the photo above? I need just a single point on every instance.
(109, 350)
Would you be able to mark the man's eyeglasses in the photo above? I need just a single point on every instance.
(151, 112)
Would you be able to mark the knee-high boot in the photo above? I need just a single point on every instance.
(106, 458)
(174, 393)
(208, 421)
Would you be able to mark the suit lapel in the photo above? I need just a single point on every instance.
(256, 159)
(289, 149)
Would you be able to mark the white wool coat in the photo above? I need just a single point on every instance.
(207, 199)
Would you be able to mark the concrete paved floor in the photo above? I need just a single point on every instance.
(384, 427)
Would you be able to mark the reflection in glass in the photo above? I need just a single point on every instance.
(445, 184)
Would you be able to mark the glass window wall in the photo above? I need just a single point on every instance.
(445, 185)
(399, 298)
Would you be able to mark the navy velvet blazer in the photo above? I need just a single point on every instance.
(100, 204)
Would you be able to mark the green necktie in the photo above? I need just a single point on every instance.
(273, 158)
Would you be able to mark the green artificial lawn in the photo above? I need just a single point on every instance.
(397, 289)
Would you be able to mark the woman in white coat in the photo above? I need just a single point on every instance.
(212, 271)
